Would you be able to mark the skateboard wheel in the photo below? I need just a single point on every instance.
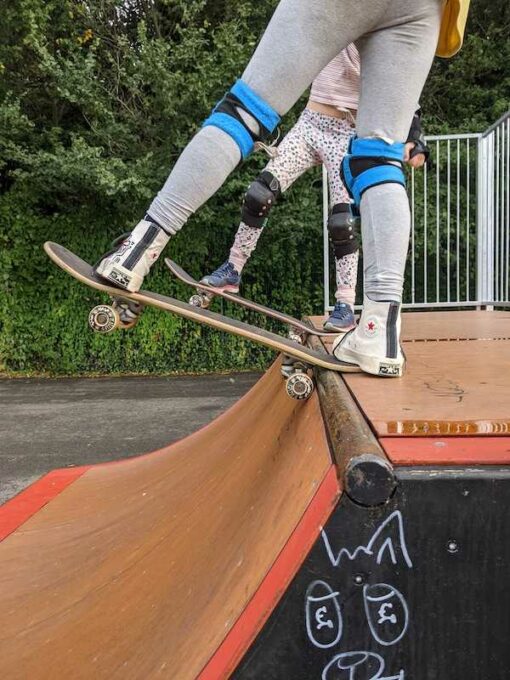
(299, 386)
(104, 319)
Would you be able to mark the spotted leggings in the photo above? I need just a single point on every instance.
(314, 140)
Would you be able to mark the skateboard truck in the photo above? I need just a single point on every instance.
(201, 299)
(296, 335)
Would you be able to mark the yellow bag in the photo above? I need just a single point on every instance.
(453, 24)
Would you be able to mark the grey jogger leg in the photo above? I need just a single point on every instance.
(395, 62)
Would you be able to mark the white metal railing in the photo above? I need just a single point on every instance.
(459, 253)
(493, 211)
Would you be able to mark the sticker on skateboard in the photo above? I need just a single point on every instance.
(299, 385)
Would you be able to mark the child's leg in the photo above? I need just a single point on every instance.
(333, 149)
(295, 156)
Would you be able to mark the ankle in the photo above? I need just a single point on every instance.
(237, 262)
(384, 297)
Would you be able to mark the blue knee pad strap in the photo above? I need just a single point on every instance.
(256, 106)
(370, 162)
(226, 116)
(234, 128)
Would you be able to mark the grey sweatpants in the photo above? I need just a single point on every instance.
(397, 41)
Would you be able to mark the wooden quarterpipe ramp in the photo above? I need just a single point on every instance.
(361, 535)
(139, 569)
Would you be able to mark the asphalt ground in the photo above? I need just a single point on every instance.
(47, 424)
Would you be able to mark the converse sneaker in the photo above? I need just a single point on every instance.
(130, 261)
(374, 345)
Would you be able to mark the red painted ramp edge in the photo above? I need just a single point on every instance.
(447, 450)
(276, 581)
(22, 507)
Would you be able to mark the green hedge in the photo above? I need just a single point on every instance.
(96, 101)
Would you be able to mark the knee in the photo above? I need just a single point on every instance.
(343, 229)
(245, 116)
(261, 196)
(371, 162)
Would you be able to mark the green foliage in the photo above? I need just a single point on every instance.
(471, 91)
(97, 99)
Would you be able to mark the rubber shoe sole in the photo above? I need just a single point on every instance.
(384, 368)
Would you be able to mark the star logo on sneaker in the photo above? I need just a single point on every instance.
(371, 327)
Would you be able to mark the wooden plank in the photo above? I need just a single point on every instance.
(455, 325)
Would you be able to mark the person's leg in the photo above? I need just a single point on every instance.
(335, 139)
(295, 155)
(335, 145)
(395, 61)
(301, 38)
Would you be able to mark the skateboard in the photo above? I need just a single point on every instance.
(105, 319)
(298, 330)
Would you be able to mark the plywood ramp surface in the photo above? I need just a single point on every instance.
(458, 387)
(140, 569)
(455, 325)
(449, 388)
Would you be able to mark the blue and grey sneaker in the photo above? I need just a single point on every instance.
(341, 319)
(226, 278)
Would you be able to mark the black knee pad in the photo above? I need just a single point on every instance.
(343, 230)
(262, 194)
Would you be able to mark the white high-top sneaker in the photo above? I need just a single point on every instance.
(374, 345)
(131, 261)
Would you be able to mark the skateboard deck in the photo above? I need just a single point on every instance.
(294, 324)
(83, 272)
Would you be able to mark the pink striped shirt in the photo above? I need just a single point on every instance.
(338, 83)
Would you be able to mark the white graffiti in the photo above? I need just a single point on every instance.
(373, 547)
(383, 616)
(319, 617)
(328, 615)
(380, 598)
(358, 665)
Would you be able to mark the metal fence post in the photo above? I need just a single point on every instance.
(485, 220)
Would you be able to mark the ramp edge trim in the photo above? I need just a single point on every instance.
(28, 502)
(237, 641)
(450, 450)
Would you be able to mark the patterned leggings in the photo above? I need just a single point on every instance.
(315, 139)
